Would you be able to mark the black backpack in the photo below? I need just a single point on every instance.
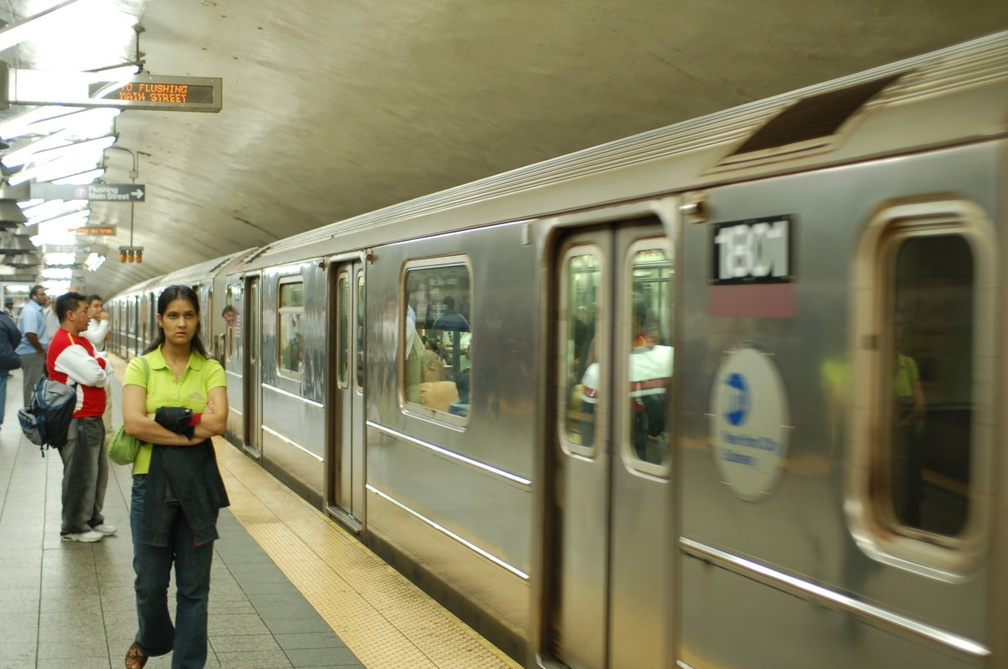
(46, 421)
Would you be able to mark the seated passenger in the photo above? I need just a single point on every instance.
(435, 392)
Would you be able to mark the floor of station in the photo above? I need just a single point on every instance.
(289, 587)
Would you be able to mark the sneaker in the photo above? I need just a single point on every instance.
(105, 529)
(87, 537)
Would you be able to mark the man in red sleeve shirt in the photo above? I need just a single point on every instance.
(71, 359)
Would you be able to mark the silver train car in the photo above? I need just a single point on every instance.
(725, 394)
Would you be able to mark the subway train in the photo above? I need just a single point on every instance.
(802, 302)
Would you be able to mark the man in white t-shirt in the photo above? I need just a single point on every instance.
(98, 333)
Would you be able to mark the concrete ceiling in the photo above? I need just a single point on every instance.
(335, 108)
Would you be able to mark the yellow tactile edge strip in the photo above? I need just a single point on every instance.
(385, 620)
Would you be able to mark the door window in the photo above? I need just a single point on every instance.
(581, 369)
(647, 307)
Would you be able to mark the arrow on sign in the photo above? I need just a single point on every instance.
(138, 194)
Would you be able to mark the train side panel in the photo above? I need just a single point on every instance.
(786, 562)
(451, 494)
(293, 373)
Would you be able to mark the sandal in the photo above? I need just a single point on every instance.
(135, 658)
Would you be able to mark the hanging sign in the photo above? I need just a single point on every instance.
(92, 89)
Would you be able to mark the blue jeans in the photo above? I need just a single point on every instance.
(187, 640)
(3, 394)
(85, 475)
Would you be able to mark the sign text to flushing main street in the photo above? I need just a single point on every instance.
(95, 192)
(92, 89)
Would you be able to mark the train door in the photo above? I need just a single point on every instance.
(251, 334)
(609, 499)
(345, 470)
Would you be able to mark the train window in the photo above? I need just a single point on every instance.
(229, 324)
(648, 317)
(437, 343)
(922, 430)
(360, 331)
(290, 339)
(930, 380)
(343, 329)
(582, 276)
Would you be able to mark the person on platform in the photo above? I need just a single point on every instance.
(34, 339)
(52, 319)
(71, 359)
(174, 400)
(98, 334)
(10, 337)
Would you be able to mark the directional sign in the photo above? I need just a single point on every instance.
(93, 89)
(96, 230)
(94, 192)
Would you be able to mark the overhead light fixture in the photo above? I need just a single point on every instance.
(58, 169)
(63, 224)
(33, 26)
(82, 179)
(94, 261)
(57, 273)
(52, 209)
(59, 258)
(73, 149)
(75, 121)
(66, 137)
(53, 287)
(15, 126)
(131, 254)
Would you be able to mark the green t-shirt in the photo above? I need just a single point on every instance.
(200, 377)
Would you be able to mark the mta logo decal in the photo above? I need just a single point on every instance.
(739, 400)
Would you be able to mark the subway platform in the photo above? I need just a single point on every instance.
(289, 588)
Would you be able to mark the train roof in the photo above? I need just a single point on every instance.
(902, 107)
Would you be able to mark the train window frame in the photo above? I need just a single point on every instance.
(228, 328)
(603, 289)
(869, 505)
(282, 313)
(361, 325)
(405, 347)
(627, 283)
(342, 329)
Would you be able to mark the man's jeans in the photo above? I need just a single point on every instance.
(32, 368)
(85, 475)
(4, 375)
(153, 564)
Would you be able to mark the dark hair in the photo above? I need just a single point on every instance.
(92, 298)
(66, 303)
(36, 288)
(167, 296)
(227, 310)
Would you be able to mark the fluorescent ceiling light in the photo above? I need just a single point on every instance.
(56, 287)
(59, 258)
(85, 121)
(82, 179)
(14, 127)
(51, 208)
(73, 150)
(35, 26)
(65, 136)
(28, 204)
(61, 216)
(94, 261)
(57, 213)
(57, 273)
(57, 169)
(63, 226)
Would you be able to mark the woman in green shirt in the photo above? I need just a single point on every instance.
(174, 399)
